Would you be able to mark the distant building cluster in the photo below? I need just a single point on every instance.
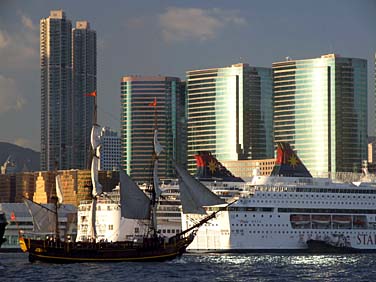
(237, 112)
(41, 186)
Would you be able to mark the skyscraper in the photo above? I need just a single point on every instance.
(110, 150)
(84, 52)
(320, 108)
(230, 113)
(68, 72)
(56, 91)
(146, 101)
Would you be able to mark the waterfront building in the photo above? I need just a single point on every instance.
(25, 186)
(84, 52)
(5, 188)
(148, 101)
(19, 218)
(230, 113)
(110, 150)
(56, 91)
(320, 108)
(248, 168)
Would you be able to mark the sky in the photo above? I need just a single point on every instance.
(169, 38)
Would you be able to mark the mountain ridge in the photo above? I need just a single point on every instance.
(25, 159)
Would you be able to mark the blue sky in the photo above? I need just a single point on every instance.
(169, 38)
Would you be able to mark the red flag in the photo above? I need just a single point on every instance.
(91, 94)
(12, 216)
(154, 103)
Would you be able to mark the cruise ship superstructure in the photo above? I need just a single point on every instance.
(283, 211)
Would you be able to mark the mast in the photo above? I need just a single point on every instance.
(155, 191)
(57, 201)
(96, 146)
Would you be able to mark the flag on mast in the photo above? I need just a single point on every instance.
(91, 94)
(12, 216)
(154, 103)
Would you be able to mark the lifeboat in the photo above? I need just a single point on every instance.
(300, 219)
(359, 221)
(321, 219)
(341, 219)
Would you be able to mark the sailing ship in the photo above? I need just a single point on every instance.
(134, 204)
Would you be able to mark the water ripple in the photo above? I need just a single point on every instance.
(198, 267)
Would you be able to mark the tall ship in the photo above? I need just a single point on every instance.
(112, 226)
(94, 245)
(290, 211)
(3, 224)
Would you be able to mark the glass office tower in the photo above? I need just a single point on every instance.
(230, 113)
(138, 119)
(320, 108)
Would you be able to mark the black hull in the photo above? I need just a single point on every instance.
(322, 247)
(2, 230)
(64, 252)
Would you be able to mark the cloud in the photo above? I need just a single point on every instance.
(20, 48)
(196, 24)
(135, 22)
(27, 22)
(10, 100)
(4, 39)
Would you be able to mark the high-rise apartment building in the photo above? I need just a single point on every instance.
(56, 91)
(84, 52)
(230, 113)
(110, 150)
(68, 72)
(320, 108)
(140, 115)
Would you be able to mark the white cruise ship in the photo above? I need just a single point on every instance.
(284, 211)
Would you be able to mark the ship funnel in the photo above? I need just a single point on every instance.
(210, 169)
(288, 163)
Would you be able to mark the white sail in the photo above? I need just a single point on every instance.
(157, 146)
(193, 195)
(43, 218)
(97, 187)
(95, 136)
(134, 203)
(59, 192)
(92, 219)
(157, 151)
(96, 144)
(158, 190)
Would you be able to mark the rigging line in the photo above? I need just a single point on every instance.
(109, 114)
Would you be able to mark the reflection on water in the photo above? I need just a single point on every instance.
(199, 267)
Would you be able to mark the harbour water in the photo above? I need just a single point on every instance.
(199, 267)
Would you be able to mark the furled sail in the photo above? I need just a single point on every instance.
(59, 192)
(92, 219)
(158, 190)
(193, 195)
(134, 203)
(43, 218)
(157, 146)
(96, 144)
(157, 151)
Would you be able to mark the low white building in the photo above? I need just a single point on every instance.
(20, 220)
